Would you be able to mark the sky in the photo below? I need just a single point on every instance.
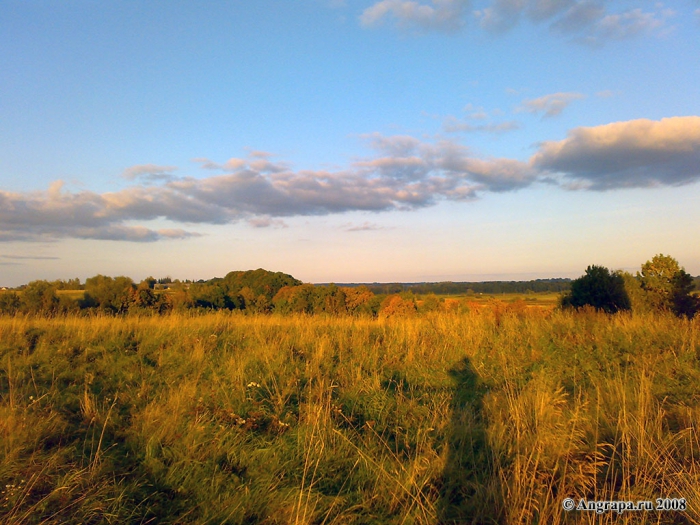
(347, 141)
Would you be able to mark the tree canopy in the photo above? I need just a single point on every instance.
(599, 288)
(668, 286)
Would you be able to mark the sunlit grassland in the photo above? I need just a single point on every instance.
(494, 415)
(543, 298)
(540, 299)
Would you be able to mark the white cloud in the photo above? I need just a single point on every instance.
(148, 172)
(636, 153)
(588, 21)
(476, 112)
(579, 17)
(365, 226)
(620, 26)
(57, 213)
(439, 15)
(404, 173)
(551, 105)
(207, 164)
(266, 222)
(452, 124)
(176, 233)
(257, 160)
(501, 15)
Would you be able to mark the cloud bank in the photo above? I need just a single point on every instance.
(588, 21)
(404, 173)
(633, 154)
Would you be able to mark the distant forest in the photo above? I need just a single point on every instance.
(472, 288)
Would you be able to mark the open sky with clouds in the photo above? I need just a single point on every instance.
(356, 140)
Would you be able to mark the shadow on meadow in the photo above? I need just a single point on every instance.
(470, 488)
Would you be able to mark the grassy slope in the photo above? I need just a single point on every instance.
(488, 416)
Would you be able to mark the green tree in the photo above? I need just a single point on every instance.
(361, 301)
(209, 296)
(600, 289)
(262, 304)
(431, 303)
(70, 284)
(9, 303)
(295, 299)
(113, 295)
(144, 298)
(638, 297)
(668, 286)
(258, 282)
(39, 297)
(329, 299)
(682, 301)
(149, 282)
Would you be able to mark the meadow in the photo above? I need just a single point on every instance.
(488, 414)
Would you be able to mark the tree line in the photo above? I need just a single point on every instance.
(255, 291)
(472, 288)
(660, 285)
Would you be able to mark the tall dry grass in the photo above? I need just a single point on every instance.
(489, 416)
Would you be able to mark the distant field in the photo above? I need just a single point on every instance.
(544, 299)
(490, 415)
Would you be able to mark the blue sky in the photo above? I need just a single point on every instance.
(373, 140)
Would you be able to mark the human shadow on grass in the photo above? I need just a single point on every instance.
(470, 489)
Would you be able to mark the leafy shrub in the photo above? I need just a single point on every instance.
(395, 305)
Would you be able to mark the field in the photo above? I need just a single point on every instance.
(490, 415)
(540, 300)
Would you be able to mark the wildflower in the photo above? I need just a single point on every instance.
(253, 384)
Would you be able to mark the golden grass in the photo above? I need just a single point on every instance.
(490, 416)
